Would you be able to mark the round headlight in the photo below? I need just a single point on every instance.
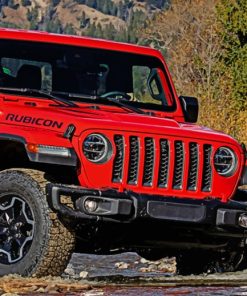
(225, 161)
(97, 148)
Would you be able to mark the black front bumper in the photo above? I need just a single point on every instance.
(127, 207)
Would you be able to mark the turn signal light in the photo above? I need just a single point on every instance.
(32, 148)
(49, 150)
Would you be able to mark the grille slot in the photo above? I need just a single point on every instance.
(133, 160)
(117, 172)
(148, 162)
(207, 170)
(164, 163)
(178, 165)
(193, 166)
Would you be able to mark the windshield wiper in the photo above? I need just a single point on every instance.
(75, 95)
(119, 102)
(123, 103)
(47, 94)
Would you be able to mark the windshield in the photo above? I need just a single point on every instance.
(83, 73)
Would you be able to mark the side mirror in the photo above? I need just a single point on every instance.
(190, 108)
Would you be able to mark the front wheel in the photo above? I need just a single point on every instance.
(32, 239)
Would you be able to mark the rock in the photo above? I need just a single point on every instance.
(122, 265)
(164, 267)
(156, 262)
(41, 290)
(70, 270)
(144, 261)
(171, 260)
(83, 274)
(143, 269)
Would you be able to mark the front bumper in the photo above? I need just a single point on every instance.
(112, 206)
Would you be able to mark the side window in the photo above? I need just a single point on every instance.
(13, 66)
(140, 85)
(154, 87)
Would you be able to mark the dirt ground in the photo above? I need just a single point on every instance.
(16, 285)
(227, 284)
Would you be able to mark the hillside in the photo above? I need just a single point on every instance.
(111, 19)
(191, 35)
(204, 62)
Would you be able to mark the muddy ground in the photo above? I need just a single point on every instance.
(125, 274)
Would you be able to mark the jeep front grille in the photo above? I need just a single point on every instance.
(207, 170)
(179, 165)
(133, 160)
(193, 166)
(118, 161)
(162, 163)
(148, 172)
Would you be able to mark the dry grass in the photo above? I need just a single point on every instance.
(15, 16)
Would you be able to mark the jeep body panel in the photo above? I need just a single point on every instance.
(41, 128)
(158, 172)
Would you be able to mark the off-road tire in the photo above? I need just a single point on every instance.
(52, 243)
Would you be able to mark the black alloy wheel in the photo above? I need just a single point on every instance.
(34, 241)
(16, 228)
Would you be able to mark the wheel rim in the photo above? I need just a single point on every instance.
(16, 228)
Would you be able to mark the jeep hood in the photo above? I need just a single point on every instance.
(122, 121)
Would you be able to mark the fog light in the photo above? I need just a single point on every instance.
(90, 205)
(242, 220)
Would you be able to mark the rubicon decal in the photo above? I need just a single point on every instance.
(34, 120)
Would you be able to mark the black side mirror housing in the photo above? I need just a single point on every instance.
(190, 108)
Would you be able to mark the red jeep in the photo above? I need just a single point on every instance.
(99, 155)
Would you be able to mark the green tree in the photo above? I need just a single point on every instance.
(32, 16)
(26, 2)
(69, 30)
(54, 26)
(232, 15)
